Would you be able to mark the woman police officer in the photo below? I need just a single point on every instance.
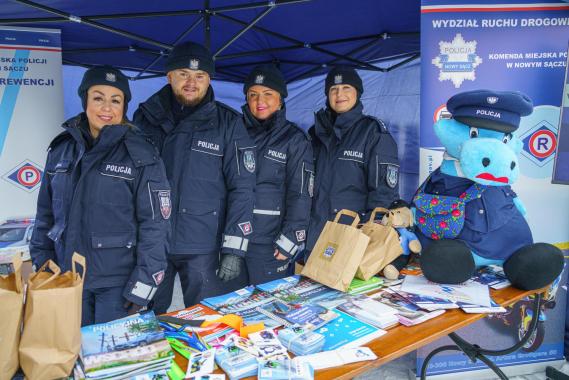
(285, 177)
(105, 195)
(355, 156)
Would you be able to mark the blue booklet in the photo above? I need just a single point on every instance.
(307, 316)
(347, 331)
(229, 299)
(296, 290)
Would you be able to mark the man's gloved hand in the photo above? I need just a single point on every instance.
(230, 267)
(132, 308)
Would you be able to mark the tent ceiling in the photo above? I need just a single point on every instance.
(302, 36)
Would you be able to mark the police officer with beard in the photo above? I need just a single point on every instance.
(210, 162)
(285, 177)
(104, 194)
(356, 158)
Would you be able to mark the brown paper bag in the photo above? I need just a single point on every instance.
(382, 249)
(51, 339)
(337, 253)
(11, 310)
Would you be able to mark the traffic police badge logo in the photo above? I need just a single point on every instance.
(165, 204)
(300, 235)
(249, 161)
(540, 143)
(338, 79)
(158, 277)
(111, 77)
(330, 250)
(457, 60)
(194, 64)
(27, 176)
(392, 176)
(259, 79)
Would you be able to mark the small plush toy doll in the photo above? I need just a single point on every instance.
(400, 217)
(466, 213)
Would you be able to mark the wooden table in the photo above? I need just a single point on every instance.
(401, 340)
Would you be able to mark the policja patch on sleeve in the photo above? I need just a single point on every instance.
(392, 176)
(165, 203)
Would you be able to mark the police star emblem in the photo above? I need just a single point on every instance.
(194, 64)
(338, 79)
(259, 79)
(249, 161)
(110, 77)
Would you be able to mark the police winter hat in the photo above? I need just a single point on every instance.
(343, 75)
(266, 75)
(496, 110)
(190, 55)
(104, 75)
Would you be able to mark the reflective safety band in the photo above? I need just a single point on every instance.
(266, 212)
(235, 242)
(286, 245)
(141, 290)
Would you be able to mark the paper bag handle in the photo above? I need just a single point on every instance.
(375, 211)
(17, 264)
(54, 268)
(78, 259)
(348, 213)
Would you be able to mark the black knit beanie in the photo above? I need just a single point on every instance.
(104, 75)
(343, 75)
(191, 55)
(266, 75)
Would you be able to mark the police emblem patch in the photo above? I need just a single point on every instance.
(249, 161)
(158, 277)
(338, 79)
(110, 77)
(259, 79)
(301, 235)
(165, 204)
(330, 250)
(246, 228)
(392, 176)
(492, 99)
(194, 64)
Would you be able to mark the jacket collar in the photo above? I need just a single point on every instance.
(327, 121)
(108, 136)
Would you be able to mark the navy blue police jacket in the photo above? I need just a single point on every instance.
(356, 167)
(110, 203)
(210, 163)
(285, 179)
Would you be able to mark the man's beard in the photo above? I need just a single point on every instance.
(180, 98)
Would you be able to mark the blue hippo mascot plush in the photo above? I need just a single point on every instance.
(466, 212)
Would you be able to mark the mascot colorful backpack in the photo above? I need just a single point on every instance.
(466, 213)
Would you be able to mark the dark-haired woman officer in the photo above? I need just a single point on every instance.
(285, 177)
(104, 195)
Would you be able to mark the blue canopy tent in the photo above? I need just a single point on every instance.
(303, 37)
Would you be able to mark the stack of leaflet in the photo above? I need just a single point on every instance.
(493, 276)
(371, 311)
(296, 290)
(285, 369)
(308, 316)
(471, 296)
(215, 334)
(244, 303)
(347, 331)
(358, 286)
(300, 341)
(235, 362)
(124, 349)
(408, 313)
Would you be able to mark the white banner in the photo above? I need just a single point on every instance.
(31, 113)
